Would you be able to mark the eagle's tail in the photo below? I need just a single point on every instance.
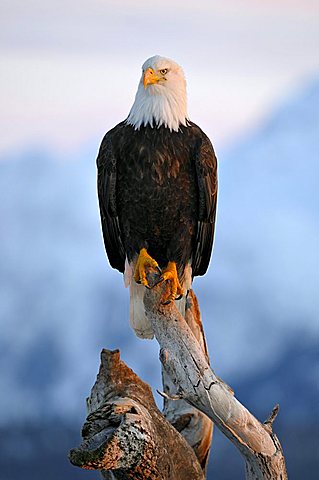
(138, 320)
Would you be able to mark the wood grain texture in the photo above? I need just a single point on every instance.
(186, 364)
(194, 425)
(125, 435)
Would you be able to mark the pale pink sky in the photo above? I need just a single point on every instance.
(69, 68)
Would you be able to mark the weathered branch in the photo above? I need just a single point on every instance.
(194, 425)
(186, 364)
(126, 434)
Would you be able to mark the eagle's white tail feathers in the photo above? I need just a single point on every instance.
(187, 280)
(138, 319)
(128, 272)
(181, 305)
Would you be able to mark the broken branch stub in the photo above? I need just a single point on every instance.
(126, 434)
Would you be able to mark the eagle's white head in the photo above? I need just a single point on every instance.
(161, 95)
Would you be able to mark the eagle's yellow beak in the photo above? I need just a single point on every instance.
(150, 77)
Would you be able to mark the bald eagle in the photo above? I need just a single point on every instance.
(157, 189)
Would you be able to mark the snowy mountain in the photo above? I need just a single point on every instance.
(60, 302)
(264, 277)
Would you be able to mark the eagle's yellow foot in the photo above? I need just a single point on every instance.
(175, 290)
(144, 262)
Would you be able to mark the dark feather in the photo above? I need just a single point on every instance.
(157, 189)
(106, 186)
(206, 169)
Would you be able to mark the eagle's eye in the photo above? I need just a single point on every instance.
(163, 71)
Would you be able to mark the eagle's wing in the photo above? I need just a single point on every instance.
(206, 170)
(106, 186)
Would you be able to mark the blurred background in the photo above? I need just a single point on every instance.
(69, 72)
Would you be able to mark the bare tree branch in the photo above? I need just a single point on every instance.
(126, 437)
(126, 434)
(186, 364)
(194, 425)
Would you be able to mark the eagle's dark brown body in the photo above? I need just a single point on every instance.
(157, 189)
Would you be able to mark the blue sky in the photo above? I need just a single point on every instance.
(70, 68)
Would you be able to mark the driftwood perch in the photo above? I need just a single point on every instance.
(184, 361)
(126, 434)
(194, 425)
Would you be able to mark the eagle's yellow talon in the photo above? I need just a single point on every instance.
(144, 262)
(175, 289)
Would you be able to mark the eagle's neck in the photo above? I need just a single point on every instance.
(159, 105)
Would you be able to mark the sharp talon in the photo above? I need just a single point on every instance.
(160, 280)
(143, 264)
(174, 290)
(167, 302)
(159, 270)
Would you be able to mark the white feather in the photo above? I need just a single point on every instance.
(128, 273)
(164, 103)
(138, 319)
(181, 305)
(187, 277)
